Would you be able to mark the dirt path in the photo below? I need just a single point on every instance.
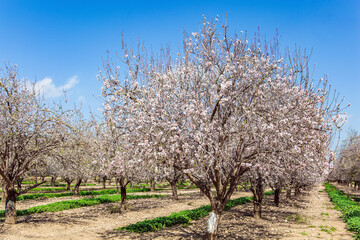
(309, 216)
(97, 222)
(299, 218)
(322, 221)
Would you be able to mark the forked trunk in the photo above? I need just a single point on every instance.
(10, 205)
(277, 196)
(68, 183)
(213, 225)
(174, 191)
(77, 187)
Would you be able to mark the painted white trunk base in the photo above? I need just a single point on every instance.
(212, 222)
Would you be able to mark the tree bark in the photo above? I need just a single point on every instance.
(277, 196)
(10, 205)
(174, 191)
(53, 181)
(123, 195)
(213, 225)
(68, 184)
(288, 193)
(77, 187)
(152, 185)
(104, 182)
(257, 188)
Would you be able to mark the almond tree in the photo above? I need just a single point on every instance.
(195, 114)
(29, 129)
(346, 165)
(209, 113)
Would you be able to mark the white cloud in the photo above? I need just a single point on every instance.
(47, 88)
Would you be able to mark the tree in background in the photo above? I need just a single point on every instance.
(29, 130)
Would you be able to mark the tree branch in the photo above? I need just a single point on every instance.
(29, 188)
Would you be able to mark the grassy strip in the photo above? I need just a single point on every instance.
(81, 193)
(65, 205)
(52, 189)
(349, 208)
(182, 217)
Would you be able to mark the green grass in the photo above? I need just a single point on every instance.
(33, 196)
(350, 209)
(65, 205)
(327, 229)
(182, 217)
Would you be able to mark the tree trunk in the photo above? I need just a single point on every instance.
(257, 210)
(174, 191)
(297, 191)
(3, 196)
(68, 183)
(99, 180)
(104, 182)
(213, 225)
(277, 196)
(191, 185)
(77, 187)
(288, 193)
(10, 204)
(257, 188)
(152, 185)
(123, 195)
(43, 178)
(53, 181)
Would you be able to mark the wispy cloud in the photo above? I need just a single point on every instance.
(47, 88)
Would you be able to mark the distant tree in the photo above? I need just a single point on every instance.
(29, 129)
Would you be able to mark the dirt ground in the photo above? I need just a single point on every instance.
(310, 216)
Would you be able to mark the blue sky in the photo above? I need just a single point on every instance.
(62, 43)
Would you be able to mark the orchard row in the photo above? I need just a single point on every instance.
(223, 111)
